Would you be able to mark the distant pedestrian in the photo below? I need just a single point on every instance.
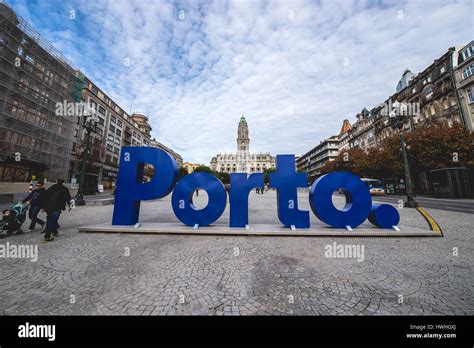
(55, 200)
(34, 200)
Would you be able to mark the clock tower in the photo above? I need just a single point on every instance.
(243, 145)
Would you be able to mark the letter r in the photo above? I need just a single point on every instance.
(240, 186)
(130, 190)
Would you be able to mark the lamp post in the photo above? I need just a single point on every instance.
(397, 122)
(90, 125)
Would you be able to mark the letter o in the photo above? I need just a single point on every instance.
(358, 199)
(183, 192)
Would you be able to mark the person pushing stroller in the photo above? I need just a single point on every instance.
(56, 198)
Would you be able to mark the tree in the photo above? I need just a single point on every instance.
(432, 147)
(182, 172)
(354, 160)
(222, 176)
(203, 168)
(94, 156)
(266, 174)
(438, 146)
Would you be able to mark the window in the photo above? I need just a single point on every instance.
(112, 129)
(110, 137)
(119, 123)
(428, 92)
(467, 52)
(118, 132)
(469, 71)
(113, 119)
(92, 104)
(101, 110)
(470, 95)
(109, 147)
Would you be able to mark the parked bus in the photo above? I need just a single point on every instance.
(375, 186)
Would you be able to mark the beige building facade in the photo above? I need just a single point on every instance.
(464, 76)
(190, 166)
(115, 128)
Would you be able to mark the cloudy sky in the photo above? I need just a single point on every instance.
(295, 69)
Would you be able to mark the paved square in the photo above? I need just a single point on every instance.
(81, 273)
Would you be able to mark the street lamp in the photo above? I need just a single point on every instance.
(89, 123)
(397, 122)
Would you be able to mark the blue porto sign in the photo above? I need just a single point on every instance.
(131, 191)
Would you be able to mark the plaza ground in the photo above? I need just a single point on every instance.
(91, 273)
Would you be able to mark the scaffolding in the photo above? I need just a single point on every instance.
(34, 76)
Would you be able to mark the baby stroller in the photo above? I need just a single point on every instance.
(14, 218)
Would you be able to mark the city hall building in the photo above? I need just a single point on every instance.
(243, 161)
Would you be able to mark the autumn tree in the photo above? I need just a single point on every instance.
(94, 156)
(438, 146)
(428, 148)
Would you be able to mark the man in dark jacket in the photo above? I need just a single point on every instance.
(34, 200)
(55, 200)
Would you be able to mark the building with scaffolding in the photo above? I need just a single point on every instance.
(35, 143)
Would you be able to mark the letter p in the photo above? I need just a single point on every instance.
(131, 190)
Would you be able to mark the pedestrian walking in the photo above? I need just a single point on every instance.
(34, 200)
(55, 200)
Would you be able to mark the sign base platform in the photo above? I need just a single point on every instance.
(261, 230)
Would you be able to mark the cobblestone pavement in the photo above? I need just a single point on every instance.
(123, 274)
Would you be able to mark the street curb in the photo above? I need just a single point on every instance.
(268, 230)
(434, 226)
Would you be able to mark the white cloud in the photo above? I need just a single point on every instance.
(279, 63)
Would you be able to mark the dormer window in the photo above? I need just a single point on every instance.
(469, 51)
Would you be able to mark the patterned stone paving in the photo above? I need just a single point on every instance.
(122, 274)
